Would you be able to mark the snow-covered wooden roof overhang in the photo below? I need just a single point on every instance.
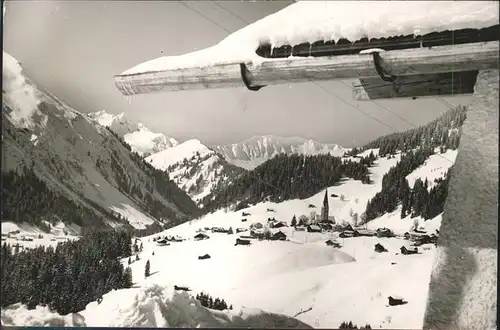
(391, 48)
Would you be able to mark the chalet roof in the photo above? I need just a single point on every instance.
(310, 21)
(315, 227)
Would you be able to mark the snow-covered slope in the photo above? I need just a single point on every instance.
(301, 277)
(74, 157)
(311, 21)
(117, 123)
(149, 306)
(258, 149)
(140, 138)
(195, 168)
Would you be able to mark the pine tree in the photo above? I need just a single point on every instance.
(147, 269)
(294, 221)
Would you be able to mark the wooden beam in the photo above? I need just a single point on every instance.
(447, 83)
(465, 57)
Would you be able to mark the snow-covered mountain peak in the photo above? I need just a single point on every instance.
(186, 150)
(142, 128)
(195, 168)
(18, 93)
(104, 118)
(256, 150)
(140, 138)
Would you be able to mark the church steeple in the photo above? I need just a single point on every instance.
(325, 209)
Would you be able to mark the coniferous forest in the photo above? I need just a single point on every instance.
(26, 198)
(288, 176)
(158, 180)
(443, 132)
(417, 145)
(416, 201)
(68, 277)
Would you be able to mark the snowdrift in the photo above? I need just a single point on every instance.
(310, 21)
(150, 306)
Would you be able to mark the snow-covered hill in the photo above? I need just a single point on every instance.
(139, 137)
(258, 149)
(195, 168)
(150, 306)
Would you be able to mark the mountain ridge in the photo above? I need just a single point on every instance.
(142, 140)
(254, 151)
(46, 142)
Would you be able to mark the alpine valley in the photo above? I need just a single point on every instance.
(106, 223)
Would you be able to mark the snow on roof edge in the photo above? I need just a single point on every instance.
(310, 21)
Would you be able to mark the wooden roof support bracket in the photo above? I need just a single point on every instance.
(244, 76)
(385, 77)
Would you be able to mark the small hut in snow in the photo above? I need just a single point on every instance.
(333, 243)
(201, 236)
(380, 248)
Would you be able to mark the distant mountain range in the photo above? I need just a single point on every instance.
(198, 168)
(247, 154)
(255, 151)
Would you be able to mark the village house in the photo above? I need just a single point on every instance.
(201, 236)
(279, 236)
(258, 234)
(240, 230)
(396, 300)
(240, 241)
(380, 248)
(409, 250)
(256, 225)
(385, 232)
(203, 257)
(245, 214)
(333, 243)
(243, 220)
(364, 232)
(425, 239)
(279, 224)
(219, 230)
(325, 226)
(162, 242)
(347, 234)
(314, 229)
(300, 228)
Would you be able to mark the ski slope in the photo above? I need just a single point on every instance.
(300, 278)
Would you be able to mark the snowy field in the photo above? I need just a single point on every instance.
(300, 278)
(27, 236)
